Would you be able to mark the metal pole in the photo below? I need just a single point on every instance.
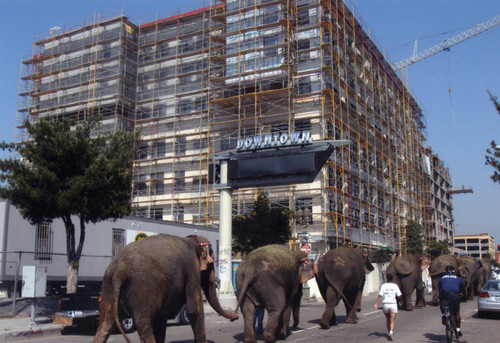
(15, 284)
(226, 291)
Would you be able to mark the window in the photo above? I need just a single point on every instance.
(43, 241)
(303, 210)
(118, 241)
(180, 146)
(179, 181)
(178, 213)
(158, 149)
(156, 213)
(157, 184)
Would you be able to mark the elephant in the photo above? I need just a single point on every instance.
(341, 275)
(437, 269)
(272, 276)
(468, 267)
(482, 275)
(407, 274)
(151, 279)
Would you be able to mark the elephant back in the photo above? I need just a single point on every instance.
(403, 265)
(438, 265)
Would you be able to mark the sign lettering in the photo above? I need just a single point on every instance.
(274, 140)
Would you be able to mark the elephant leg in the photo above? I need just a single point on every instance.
(435, 291)
(248, 311)
(329, 317)
(275, 306)
(420, 302)
(285, 319)
(351, 317)
(160, 329)
(106, 322)
(144, 330)
(194, 306)
(296, 310)
(407, 301)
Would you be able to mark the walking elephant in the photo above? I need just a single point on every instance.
(468, 267)
(151, 279)
(272, 277)
(341, 275)
(482, 275)
(437, 269)
(407, 274)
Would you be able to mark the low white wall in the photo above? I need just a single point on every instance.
(372, 284)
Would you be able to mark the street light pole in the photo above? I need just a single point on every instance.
(226, 291)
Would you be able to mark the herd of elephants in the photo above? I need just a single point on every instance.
(151, 279)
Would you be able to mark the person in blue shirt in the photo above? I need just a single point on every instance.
(450, 286)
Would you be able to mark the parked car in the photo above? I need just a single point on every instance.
(489, 298)
(83, 309)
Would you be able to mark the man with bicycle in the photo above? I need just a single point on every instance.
(450, 286)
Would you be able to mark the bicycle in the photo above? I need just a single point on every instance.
(450, 323)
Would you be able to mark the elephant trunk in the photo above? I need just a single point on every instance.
(209, 288)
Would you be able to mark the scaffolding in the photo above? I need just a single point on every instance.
(196, 82)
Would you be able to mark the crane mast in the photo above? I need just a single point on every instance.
(448, 43)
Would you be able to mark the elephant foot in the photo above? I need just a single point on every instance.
(324, 325)
(294, 327)
(268, 337)
(351, 321)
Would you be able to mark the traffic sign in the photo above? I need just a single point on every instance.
(306, 248)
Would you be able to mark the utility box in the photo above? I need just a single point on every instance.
(34, 282)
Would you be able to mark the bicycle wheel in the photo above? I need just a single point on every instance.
(449, 329)
(454, 326)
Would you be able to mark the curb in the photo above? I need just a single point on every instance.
(36, 332)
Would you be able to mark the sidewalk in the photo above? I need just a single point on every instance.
(19, 327)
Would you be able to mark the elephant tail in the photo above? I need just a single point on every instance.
(246, 284)
(117, 284)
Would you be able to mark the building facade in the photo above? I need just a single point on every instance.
(197, 82)
(476, 245)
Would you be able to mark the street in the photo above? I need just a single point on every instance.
(419, 325)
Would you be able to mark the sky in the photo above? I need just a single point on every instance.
(451, 87)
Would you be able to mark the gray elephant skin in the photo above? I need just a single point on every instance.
(468, 268)
(341, 275)
(272, 277)
(482, 275)
(437, 269)
(407, 274)
(151, 279)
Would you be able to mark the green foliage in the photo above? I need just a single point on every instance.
(490, 259)
(438, 248)
(67, 170)
(265, 226)
(414, 238)
(493, 153)
(381, 255)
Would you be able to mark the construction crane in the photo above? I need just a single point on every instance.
(447, 44)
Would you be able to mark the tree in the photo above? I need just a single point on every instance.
(414, 238)
(266, 225)
(493, 153)
(66, 171)
(381, 255)
(438, 248)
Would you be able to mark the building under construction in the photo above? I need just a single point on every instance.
(196, 82)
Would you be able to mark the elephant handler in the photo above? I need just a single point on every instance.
(390, 294)
(450, 287)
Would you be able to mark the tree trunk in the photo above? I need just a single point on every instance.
(72, 278)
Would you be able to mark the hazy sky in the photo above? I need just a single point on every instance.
(450, 87)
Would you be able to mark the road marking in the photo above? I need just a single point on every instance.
(372, 312)
(310, 328)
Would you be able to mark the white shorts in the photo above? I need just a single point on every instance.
(390, 308)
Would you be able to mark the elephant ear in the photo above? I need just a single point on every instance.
(204, 251)
(403, 266)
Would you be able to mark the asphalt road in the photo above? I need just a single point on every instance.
(419, 325)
